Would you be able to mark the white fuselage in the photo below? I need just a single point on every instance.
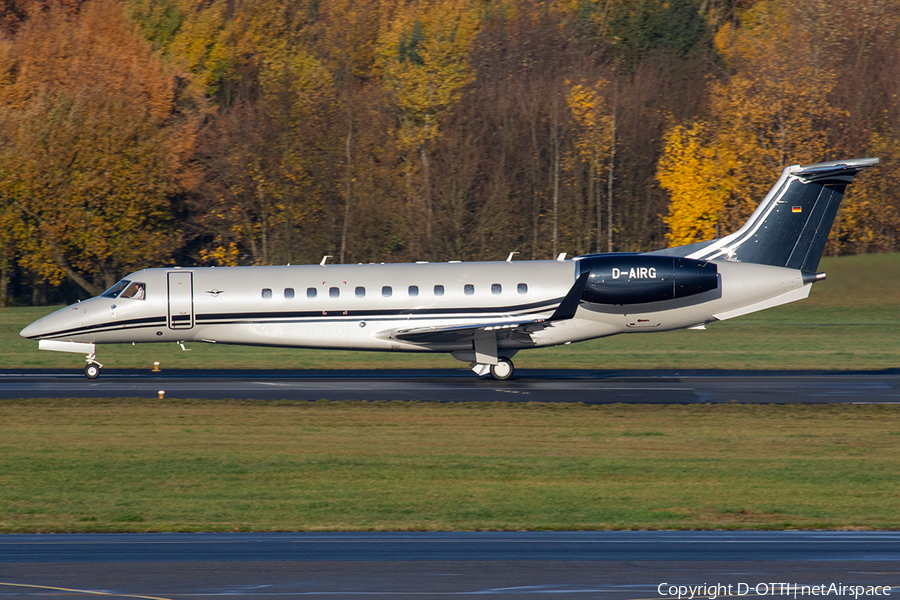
(363, 307)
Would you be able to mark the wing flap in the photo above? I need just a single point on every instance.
(441, 334)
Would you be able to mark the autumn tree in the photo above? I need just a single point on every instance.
(346, 36)
(761, 118)
(688, 170)
(95, 146)
(862, 41)
(592, 114)
(422, 57)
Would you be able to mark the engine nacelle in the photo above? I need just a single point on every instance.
(640, 278)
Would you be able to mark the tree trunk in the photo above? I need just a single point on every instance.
(429, 209)
(39, 291)
(554, 141)
(612, 166)
(535, 196)
(348, 184)
(597, 191)
(73, 275)
(4, 284)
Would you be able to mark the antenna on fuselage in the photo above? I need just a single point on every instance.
(561, 257)
(325, 259)
(511, 254)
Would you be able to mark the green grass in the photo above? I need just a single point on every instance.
(851, 321)
(138, 465)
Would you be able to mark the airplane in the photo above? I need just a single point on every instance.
(482, 313)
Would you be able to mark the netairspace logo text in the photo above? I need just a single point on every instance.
(717, 590)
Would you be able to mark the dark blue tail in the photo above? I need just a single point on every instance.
(791, 225)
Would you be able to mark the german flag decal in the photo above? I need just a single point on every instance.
(796, 209)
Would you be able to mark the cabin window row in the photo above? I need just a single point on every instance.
(387, 291)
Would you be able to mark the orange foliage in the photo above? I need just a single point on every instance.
(93, 145)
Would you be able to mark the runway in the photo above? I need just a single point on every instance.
(560, 385)
(614, 565)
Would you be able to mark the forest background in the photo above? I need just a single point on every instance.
(139, 133)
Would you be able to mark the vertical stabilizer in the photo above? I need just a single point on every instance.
(791, 225)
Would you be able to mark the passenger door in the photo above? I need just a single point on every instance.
(181, 300)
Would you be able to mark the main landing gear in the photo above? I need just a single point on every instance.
(503, 370)
(484, 357)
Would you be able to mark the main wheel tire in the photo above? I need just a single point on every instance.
(503, 370)
(92, 371)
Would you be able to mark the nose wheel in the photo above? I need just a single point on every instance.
(92, 368)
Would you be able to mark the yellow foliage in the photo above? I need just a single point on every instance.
(764, 117)
(221, 255)
(870, 213)
(294, 74)
(422, 55)
(592, 114)
(688, 170)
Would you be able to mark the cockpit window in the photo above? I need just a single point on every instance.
(135, 291)
(115, 290)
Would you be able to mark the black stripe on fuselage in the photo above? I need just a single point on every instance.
(111, 326)
(381, 314)
(315, 316)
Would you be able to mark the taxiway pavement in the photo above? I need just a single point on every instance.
(613, 565)
(560, 385)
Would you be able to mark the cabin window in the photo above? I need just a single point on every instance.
(386, 291)
(438, 290)
(334, 292)
(469, 289)
(311, 292)
(496, 289)
(360, 292)
(115, 290)
(522, 288)
(288, 293)
(266, 293)
(135, 291)
(413, 291)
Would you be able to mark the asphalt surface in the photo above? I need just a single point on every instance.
(613, 565)
(560, 385)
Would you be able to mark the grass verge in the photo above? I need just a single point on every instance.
(138, 465)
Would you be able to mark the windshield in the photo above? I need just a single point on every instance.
(115, 290)
(134, 291)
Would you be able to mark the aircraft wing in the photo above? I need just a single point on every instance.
(443, 334)
(451, 333)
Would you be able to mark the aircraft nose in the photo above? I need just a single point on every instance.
(34, 330)
(55, 322)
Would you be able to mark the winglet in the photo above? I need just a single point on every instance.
(567, 308)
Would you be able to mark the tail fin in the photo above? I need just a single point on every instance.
(791, 225)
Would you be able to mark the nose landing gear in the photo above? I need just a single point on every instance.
(92, 369)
